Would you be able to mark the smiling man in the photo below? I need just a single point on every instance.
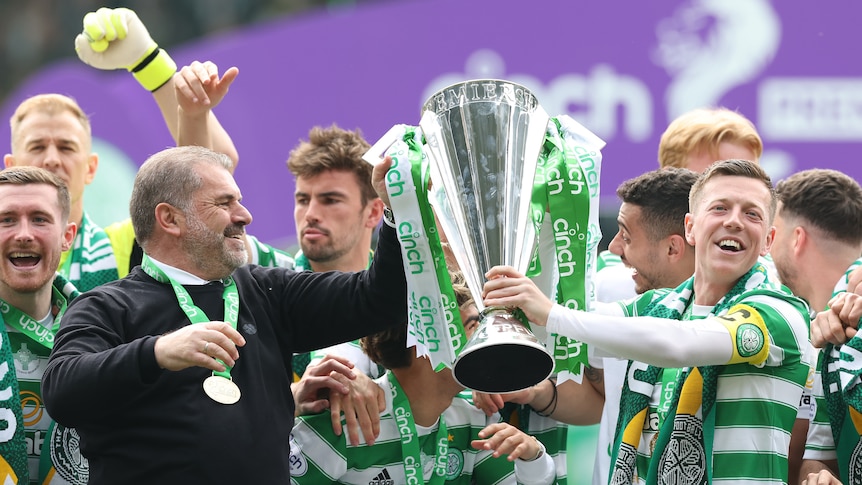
(34, 230)
(718, 364)
(651, 237)
(192, 349)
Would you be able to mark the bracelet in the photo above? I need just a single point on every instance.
(388, 217)
(544, 412)
(538, 453)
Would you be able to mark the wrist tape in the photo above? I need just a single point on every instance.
(155, 69)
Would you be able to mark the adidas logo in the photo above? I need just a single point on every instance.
(382, 479)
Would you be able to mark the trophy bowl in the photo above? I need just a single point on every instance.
(502, 356)
(483, 139)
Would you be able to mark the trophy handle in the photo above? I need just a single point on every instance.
(502, 356)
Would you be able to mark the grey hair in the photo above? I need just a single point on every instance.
(170, 177)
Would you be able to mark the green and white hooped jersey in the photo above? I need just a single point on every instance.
(820, 443)
(318, 456)
(266, 255)
(31, 359)
(755, 405)
(607, 259)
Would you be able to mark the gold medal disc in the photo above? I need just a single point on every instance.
(221, 390)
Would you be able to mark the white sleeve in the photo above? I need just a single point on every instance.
(657, 341)
(537, 472)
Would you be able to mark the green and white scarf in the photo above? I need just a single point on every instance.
(694, 411)
(434, 322)
(13, 446)
(90, 262)
(72, 470)
(567, 184)
(840, 373)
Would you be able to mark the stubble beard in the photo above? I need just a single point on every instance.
(209, 251)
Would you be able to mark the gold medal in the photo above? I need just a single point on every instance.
(221, 390)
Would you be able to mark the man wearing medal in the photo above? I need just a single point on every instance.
(34, 230)
(146, 367)
(428, 432)
(741, 347)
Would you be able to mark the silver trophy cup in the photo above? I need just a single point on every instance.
(483, 140)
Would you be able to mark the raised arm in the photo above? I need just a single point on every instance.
(198, 89)
(117, 39)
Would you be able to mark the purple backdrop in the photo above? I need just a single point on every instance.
(622, 68)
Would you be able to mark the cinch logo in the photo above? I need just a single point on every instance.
(588, 165)
(187, 305)
(382, 478)
(402, 418)
(574, 177)
(411, 470)
(233, 306)
(566, 347)
(423, 320)
(563, 236)
(393, 177)
(29, 325)
(408, 238)
(449, 307)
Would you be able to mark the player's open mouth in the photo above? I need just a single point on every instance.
(730, 245)
(24, 260)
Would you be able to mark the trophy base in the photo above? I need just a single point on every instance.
(503, 368)
(502, 356)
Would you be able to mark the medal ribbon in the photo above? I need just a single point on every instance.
(412, 459)
(230, 295)
(31, 327)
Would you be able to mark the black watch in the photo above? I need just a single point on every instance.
(388, 217)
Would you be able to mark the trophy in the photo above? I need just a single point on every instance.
(483, 142)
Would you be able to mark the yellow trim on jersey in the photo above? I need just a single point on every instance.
(749, 334)
(122, 237)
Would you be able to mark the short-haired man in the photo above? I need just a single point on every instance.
(651, 241)
(34, 230)
(163, 344)
(818, 241)
(718, 363)
(336, 211)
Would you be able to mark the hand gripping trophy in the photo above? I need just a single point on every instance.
(475, 159)
(483, 141)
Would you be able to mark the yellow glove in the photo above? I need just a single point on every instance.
(117, 39)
